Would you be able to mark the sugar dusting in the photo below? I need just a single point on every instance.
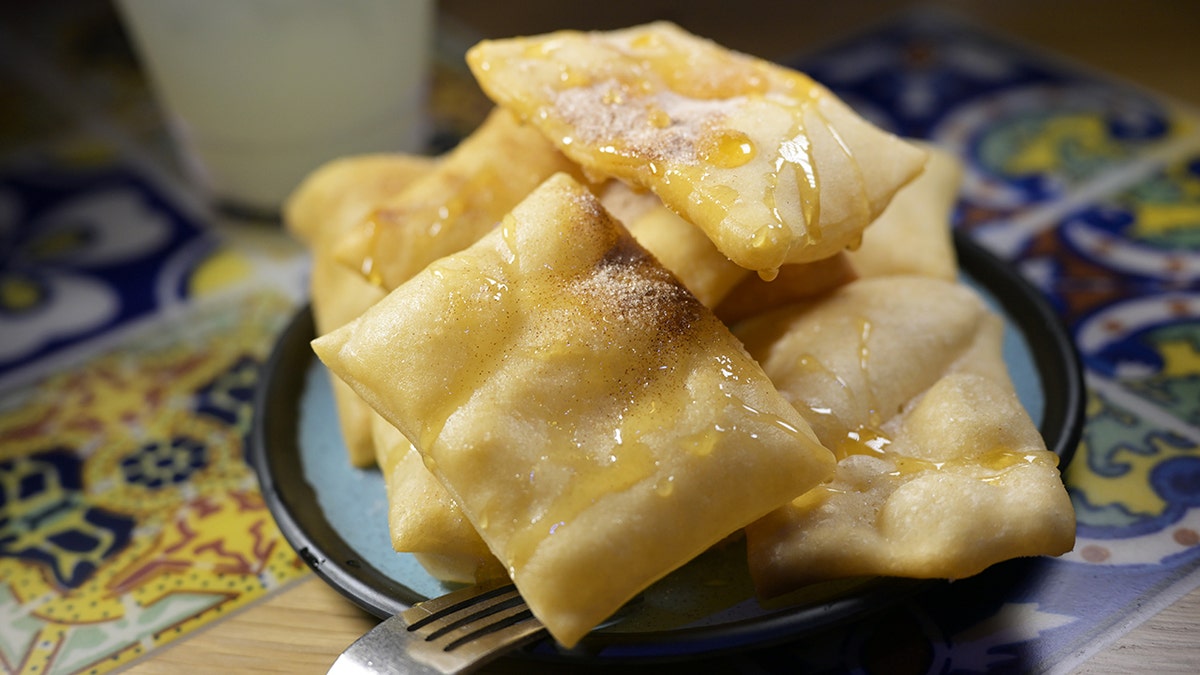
(631, 125)
(631, 287)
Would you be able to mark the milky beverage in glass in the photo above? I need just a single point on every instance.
(261, 92)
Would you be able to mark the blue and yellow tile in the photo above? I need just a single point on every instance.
(128, 515)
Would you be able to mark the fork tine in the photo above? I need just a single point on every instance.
(512, 622)
(478, 644)
(464, 629)
(453, 633)
(446, 605)
(468, 619)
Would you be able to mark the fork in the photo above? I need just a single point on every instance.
(453, 633)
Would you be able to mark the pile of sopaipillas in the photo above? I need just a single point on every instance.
(640, 311)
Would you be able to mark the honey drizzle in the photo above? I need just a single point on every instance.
(872, 405)
(631, 460)
(797, 152)
(368, 267)
(864, 440)
(868, 439)
(872, 442)
(657, 63)
(726, 148)
(864, 203)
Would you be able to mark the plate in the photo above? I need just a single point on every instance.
(335, 515)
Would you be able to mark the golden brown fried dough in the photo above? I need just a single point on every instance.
(454, 205)
(941, 472)
(913, 234)
(327, 204)
(338, 194)
(770, 164)
(579, 404)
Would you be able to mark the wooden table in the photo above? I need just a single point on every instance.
(302, 629)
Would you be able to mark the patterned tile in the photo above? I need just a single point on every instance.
(1029, 129)
(128, 515)
(83, 253)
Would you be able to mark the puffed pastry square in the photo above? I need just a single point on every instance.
(941, 472)
(913, 235)
(770, 164)
(598, 426)
(329, 202)
(455, 204)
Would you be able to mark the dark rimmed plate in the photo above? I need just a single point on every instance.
(335, 516)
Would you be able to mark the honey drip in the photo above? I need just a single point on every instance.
(907, 466)
(665, 487)
(1002, 460)
(995, 463)
(864, 352)
(367, 267)
(872, 406)
(797, 154)
(863, 441)
(864, 202)
(807, 364)
(726, 148)
(658, 118)
(645, 41)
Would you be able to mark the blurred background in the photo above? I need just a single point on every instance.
(1152, 45)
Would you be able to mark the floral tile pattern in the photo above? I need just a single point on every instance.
(1031, 129)
(128, 515)
(1091, 189)
(84, 252)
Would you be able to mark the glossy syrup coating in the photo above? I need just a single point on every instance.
(767, 162)
(455, 204)
(941, 472)
(579, 404)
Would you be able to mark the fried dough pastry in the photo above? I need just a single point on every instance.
(794, 283)
(338, 194)
(579, 405)
(771, 165)
(462, 199)
(681, 247)
(422, 516)
(330, 201)
(913, 234)
(941, 472)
